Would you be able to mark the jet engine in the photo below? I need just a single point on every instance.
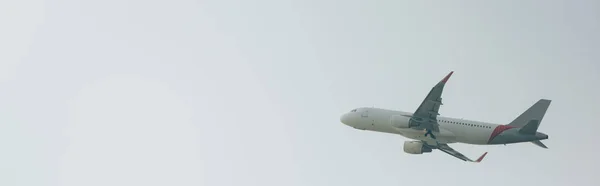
(400, 121)
(416, 147)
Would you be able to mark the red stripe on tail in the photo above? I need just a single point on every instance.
(499, 129)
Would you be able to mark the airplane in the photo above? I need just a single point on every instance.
(431, 131)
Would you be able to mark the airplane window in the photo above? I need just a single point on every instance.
(353, 110)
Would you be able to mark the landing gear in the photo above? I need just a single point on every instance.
(429, 132)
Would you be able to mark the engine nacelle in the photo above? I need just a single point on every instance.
(415, 147)
(400, 121)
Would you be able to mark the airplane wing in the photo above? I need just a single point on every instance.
(425, 117)
(449, 150)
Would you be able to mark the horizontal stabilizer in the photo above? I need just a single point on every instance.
(539, 143)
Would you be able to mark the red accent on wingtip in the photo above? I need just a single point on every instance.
(481, 158)
(447, 77)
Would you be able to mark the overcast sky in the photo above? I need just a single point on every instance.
(225, 92)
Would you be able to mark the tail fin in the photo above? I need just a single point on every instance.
(530, 120)
(535, 113)
(531, 127)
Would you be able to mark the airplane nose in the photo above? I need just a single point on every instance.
(345, 119)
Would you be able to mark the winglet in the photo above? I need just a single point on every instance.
(481, 157)
(447, 77)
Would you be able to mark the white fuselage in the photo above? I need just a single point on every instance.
(452, 130)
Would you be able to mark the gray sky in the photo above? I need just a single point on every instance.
(223, 92)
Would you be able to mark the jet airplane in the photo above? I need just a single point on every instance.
(431, 131)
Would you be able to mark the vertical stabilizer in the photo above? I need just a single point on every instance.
(531, 127)
(535, 112)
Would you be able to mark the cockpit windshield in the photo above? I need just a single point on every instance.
(353, 110)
